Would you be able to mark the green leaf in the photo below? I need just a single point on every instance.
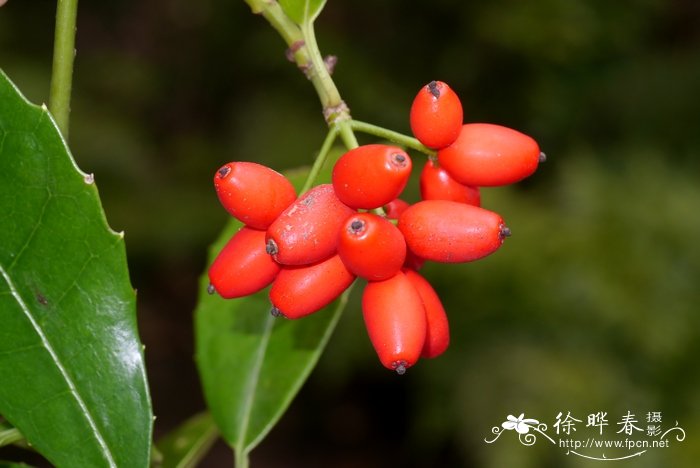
(302, 11)
(188, 444)
(72, 376)
(251, 363)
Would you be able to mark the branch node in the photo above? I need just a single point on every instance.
(334, 114)
(289, 53)
(330, 61)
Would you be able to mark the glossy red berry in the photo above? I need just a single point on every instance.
(436, 115)
(303, 290)
(371, 247)
(371, 176)
(490, 155)
(437, 337)
(451, 232)
(254, 194)
(242, 267)
(393, 210)
(307, 231)
(395, 320)
(437, 184)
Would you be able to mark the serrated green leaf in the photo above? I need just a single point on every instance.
(302, 11)
(72, 375)
(185, 446)
(251, 363)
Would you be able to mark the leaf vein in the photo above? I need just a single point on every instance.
(252, 383)
(31, 235)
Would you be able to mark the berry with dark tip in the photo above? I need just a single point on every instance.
(488, 155)
(252, 193)
(302, 290)
(242, 267)
(307, 231)
(370, 176)
(451, 232)
(436, 115)
(395, 320)
(371, 247)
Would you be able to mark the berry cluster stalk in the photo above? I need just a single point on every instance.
(304, 51)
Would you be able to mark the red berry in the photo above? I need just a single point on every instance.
(395, 207)
(437, 184)
(413, 261)
(254, 194)
(370, 176)
(393, 210)
(371, 247)
(436, 115)
(303, 290)
(242, 267)
(395, 321)
(490, 155)
(307, 231)
(451, 232)
(437, 337)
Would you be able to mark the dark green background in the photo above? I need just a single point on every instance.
(592, 305)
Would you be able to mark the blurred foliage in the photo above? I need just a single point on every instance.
(592, 305)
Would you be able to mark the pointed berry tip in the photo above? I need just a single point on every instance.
(433, 88)
(504, 232)
(271, 247)
(400, 367)
(224, 171)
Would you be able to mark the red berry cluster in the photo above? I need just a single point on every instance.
(311, 248)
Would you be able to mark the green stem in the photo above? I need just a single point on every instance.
(307, 56)
(391, 135)
(321, 78)
(301, 40)
(242, 460)
(63, 57)
(320, 158)
(10, 436)
(347, 135)
(273, 13)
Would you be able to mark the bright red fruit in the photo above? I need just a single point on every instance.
(488, 155)
(437, 184)
(395, 207)
(436, 115)
(242, 267)
(371, 176)
(371, 247)
(300, 291)
(395, 320)
(437, 337)
(307, 231)
(254, 194)
(451, 232)
(393, 210)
